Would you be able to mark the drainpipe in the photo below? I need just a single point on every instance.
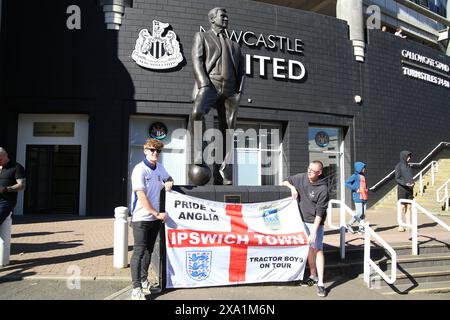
(114, 10)
(352, 12)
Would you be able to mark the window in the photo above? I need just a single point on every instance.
(257, 156)
(326, 145)
(174, 155)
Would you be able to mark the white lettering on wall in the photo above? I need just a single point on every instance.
(278, 65)
(425, 60)
(295, 69)
(281, 68)
(426, 77)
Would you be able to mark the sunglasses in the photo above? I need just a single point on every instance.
(311, 170)
(153, 150)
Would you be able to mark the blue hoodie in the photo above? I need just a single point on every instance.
(353, 183)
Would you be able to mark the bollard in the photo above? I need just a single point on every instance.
(5, 241)
(121, 237)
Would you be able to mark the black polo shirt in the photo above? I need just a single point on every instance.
(8, 177)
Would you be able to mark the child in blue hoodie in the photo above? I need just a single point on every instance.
(357, 183)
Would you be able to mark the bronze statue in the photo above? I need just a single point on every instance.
(219, 72)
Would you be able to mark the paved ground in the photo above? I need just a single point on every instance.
(63, 289)
(50, 250)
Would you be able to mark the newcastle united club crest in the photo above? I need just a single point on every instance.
(155, 51)
(198, 264)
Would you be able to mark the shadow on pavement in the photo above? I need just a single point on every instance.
(44, 218)
(35, 234)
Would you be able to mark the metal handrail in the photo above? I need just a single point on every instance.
(342, 210)
(368, 263)
(369, 232)
(434, 168)
(446, 198)
(413, 225)
(442, 143)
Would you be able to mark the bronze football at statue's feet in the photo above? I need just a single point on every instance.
(199, 174)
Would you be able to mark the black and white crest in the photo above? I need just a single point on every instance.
(155, 51)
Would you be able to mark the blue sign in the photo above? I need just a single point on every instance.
(322, 139)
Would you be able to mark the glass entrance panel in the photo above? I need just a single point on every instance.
(325, 145)
(173, 156)
(53, 179)
(257, 154)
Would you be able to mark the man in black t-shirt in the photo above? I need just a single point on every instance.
(12, 180)
(310, 189)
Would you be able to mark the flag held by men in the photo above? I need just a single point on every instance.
(212, 243)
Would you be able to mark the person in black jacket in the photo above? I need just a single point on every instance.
(12, 180)
(405, 183)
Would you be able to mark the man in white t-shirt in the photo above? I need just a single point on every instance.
(147, 180)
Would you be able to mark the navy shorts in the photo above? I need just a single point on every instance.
(6, 208)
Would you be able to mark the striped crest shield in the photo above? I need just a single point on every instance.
(158, 50)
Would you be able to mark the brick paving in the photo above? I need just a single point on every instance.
(50, 246)
(55, 246)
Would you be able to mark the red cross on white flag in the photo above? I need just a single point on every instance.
(212, 243)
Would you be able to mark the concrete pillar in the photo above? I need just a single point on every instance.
(120, 237)
(114, 10)
(352, 12)
(5, 241)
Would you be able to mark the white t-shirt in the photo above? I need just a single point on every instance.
(151, 182)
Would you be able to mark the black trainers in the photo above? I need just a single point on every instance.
(321, 291)
(308, 282)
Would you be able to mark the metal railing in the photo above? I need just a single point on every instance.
(369, 264)
(413, 225)
(390, 174)
(434, 168)
(445, 198)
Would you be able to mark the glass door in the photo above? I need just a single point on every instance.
(326, 145)
(53, 179)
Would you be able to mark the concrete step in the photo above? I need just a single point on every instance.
(356, 254)
(393, 207)
(424, 287)
(443, 213)
(423, 260)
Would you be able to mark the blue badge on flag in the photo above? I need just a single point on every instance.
(271, 218)
(198, 264)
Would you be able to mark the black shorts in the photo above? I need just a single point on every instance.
(405, 193)
(6, 207)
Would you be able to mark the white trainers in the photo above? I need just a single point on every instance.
(137, 294)
(149, 288)
(146, 287)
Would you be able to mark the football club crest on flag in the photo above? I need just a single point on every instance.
(271, 218)
(198, 264)
(155, 51)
